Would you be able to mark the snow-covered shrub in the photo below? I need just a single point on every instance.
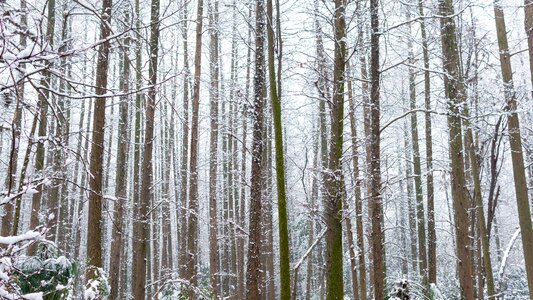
(97, 287)
(11, 248)
(400, 290)
(52, 276)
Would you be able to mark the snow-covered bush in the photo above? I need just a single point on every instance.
(11, 248)
(97, 287)
(53, 276)
(400, 290)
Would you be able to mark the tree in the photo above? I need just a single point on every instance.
(515, 139)
(253, 269)
(375, 168)
(213, 150)
(191, 267)
(121, 181)
(528, 24)
(432, 237)
(94, 232)
(420, 219)
(275, 95)
(333, 201)
(456, 95)
(43, 123)
(141, 228)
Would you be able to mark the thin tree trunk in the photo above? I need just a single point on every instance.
(378, 251)
(121, 180)
(241, 288)
(284, 263)
(420, 218)
(456, 95)
(358, 205)
(253, 275)
(432, 237)
(182, 226)
(10, 222)
(410, 200)
(515, 139)
(95, 220)
(213, 151)
(478, 203)
(141, 227)
(334, 197)
(192, 224)
(311, 239)
(43, 123)
(528, 24)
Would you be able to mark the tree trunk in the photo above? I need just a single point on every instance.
(10, 222)
(121, 180)
(95, 220)
(410, 200)
(333, 201)
(420, 218)
(141, 228)
(432, 237)
(378, 250)
(275, 94)
(528, 24)
(515, 140)
(358, 199)
(192, 223)
(241, 288)
(43, 123)
(182, 226)
(358, 205)
(213, 151)
(253, 275)
(456, 95)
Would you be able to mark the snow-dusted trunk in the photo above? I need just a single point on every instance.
(182, 211)
(253, 272)
(191, 264)
(456, 94)
(95, 220)
(420, 218)
(376, 213)
(528, 24)
(121, 180)
(334, 189)
(141, 226)
(432, 238)
(213, 150)
(515, 139)
(275, 95)
(43, 123)
(357, 193)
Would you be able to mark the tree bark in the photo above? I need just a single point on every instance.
(420, 218)
(213, 151)
(253, 275)
(141, 226)
(43, 123)
(456, 95)
(375, 168)
(432, 237)
(334, 189)
(182, 226)
(121, 180)
(275, 95)
(515, 139)
(95, 220)
(192, 223)
(528, 24)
